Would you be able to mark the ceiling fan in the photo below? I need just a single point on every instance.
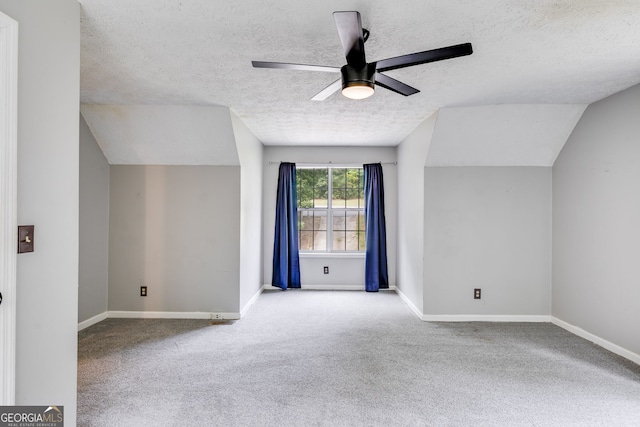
(358, 76)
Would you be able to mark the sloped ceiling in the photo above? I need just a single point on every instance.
(499, 135)
(199, 52)
(163, 135)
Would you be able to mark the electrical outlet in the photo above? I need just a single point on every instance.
(143, 291)
(326, 269)
(476, 293)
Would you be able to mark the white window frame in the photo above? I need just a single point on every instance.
(329, 251)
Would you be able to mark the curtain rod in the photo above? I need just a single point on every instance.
(330, 163)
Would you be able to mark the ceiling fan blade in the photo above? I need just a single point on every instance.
(349, 28)
(394, 85)
(424, 57)
(299, 67)
(328, 91)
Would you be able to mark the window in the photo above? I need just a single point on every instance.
(330, 209)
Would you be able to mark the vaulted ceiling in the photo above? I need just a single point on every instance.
(535, 66)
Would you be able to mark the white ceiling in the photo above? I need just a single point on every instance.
(163, 134)
(199, 52)
(499, 135)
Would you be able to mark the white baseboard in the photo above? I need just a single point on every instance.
(411, 306)
(171, 315)
(484, 318)
(92, 321)
(333, 287)
(330, 288)
(158, 315)
(470, 317)
(614, 348)
(248, 305)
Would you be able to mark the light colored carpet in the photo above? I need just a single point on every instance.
(322, 358)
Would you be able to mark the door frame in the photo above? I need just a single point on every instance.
(8, 204)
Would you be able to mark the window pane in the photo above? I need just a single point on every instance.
(354, 178)
(320, 221)
(304, 184)
(339, 241)
(320, 202)
(320, 231)
(339, 221)
(353, 187)
(347, 235)
(305, 220)
(320, 241)
(352, 195)
(361, 231)
(312, 233)
(306, 240)
(351, 220)
(320, 187)
(312, 187)
(339, 178)
(338, 200)
(347, 220)
(352, 240)
(320, 177)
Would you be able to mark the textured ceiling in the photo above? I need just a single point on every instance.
(199, 52)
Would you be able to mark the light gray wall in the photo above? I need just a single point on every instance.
(343, 271)
(93, 271)
(250, 152)
(176, 230)
(488, 228)
(596, 249)
(47, 279)
(412, 156)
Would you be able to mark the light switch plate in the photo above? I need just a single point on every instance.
(25, 238)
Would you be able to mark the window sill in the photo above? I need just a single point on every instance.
(331, 255)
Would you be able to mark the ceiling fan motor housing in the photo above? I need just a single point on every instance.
(364, 76)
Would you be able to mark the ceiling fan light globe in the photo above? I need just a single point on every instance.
(358, 91)
(358, 83)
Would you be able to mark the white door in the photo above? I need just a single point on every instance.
(8, 203)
